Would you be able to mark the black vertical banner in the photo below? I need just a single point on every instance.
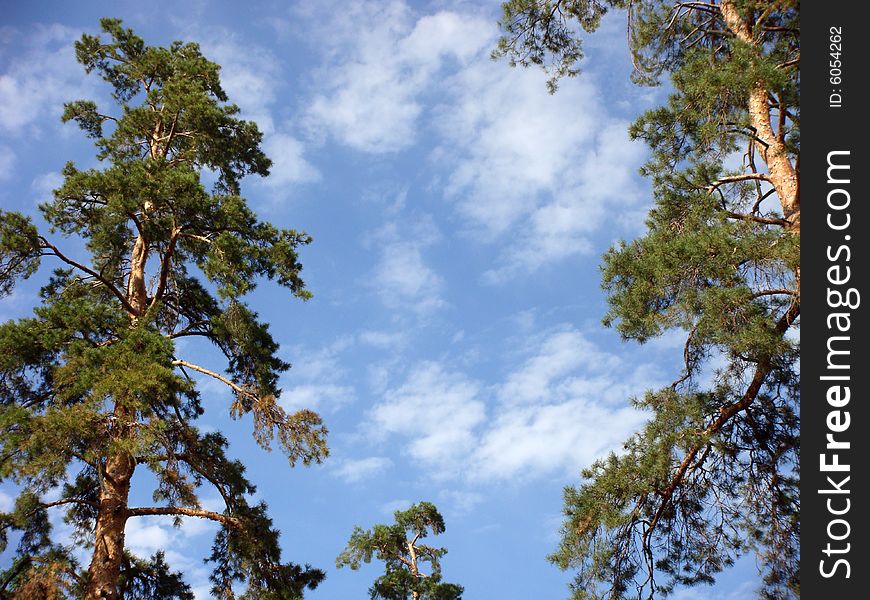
(835, 373)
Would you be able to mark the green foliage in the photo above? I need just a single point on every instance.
(152, 580)
(19, 250)
(95, 378)
(398, 546)
(539, 33)
(714, 473)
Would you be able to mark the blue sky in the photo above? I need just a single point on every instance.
(459, 212)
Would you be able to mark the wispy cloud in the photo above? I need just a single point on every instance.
(538, 175)
(43, 185)
(546, 171)
(436, 411)
(383, 339)
(317, 380)
(42, 76)
(252, 76)
(6, 502)
(249, 74)
(382, 63)
(148, 535)
(402, 279)
(561, 408)
(356, 470)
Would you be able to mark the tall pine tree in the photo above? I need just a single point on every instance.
(714, 473)
(93, 386)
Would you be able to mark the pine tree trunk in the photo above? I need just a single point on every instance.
(783, 174)
(105, 568)
(415, 572)
(781, 171)
(105, 565)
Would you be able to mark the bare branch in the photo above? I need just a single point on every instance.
(755, 219)
(183, 511)
(738, 178)
(236, 387)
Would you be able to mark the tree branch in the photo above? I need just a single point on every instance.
(46, 245)
(165, 266)
(764, 220)
(726, 413)
(63, 501)
(237, 388)
(183, 511)
(736, 178)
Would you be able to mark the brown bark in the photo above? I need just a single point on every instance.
(412, 551)
(137, 293)
(105, 568)
(781, 171)
(112, 514)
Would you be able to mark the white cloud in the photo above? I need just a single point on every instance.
(352, 471)
(436, 410)
(388, 508)
(402, 278)
(317, 379)
(563, 407)
(6, 502)
(251, 76)
(559, 355)
(461, 501)
(383, 339)
(146, 535)
(546, 170)
(7, 162)
(383, 63)
(567, 435)
(316, 396)
(43, 185)
(42, 76)
(288, 162)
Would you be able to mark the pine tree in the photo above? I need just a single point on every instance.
(714, 473)
(398, 545)
(93, 387)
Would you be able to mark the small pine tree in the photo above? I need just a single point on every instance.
(398, 545)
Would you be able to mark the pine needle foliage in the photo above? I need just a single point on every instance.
(399, 547)
(94, 386)
(714, 473)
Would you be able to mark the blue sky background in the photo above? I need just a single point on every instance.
(459, 212)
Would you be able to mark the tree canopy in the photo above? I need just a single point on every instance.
(398, 545)
(714, 473)
(94, 387)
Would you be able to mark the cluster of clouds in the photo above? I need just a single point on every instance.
(34, 84)
(562, 407)
(401, 278)
(559, 403)
(536, 175)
